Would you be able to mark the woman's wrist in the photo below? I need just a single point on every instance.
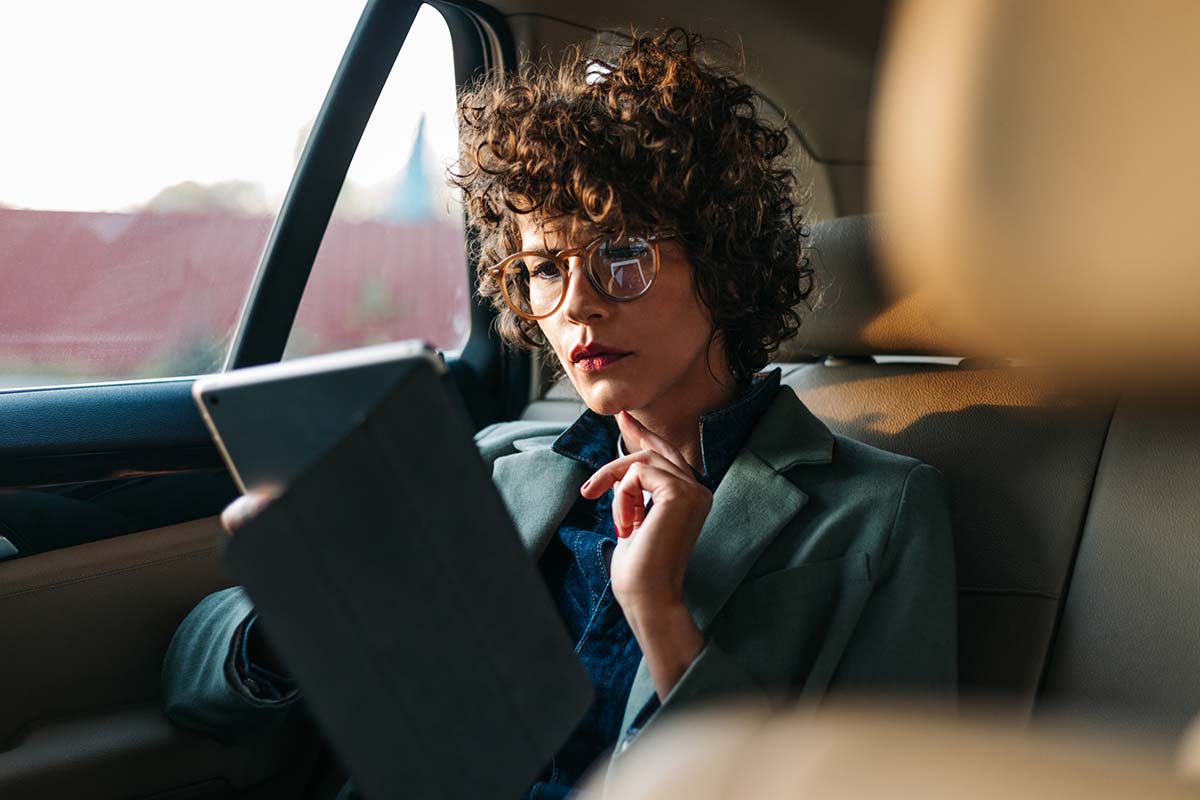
(669, 639)
(655, 615)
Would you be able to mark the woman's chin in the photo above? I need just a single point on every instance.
(604, 399)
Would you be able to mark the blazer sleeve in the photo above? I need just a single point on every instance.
(202, 689)
(907, 637)
(714, 673)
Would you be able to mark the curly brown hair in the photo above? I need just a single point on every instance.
(648, 138)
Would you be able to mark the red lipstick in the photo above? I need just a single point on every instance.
(595, 356)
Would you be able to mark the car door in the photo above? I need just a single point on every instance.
(136, 256)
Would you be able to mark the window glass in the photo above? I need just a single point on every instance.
(145, 149)
(392, 264)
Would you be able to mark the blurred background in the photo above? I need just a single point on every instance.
(141, 175)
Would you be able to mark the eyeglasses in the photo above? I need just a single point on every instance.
(622, 268)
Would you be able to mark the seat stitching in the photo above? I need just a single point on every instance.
(107, 573)
(1012, 592)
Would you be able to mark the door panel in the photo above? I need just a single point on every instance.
(45, 518)
(89, 479)
(93, 621)
(136, 752)
(82, 701)
(86, 463)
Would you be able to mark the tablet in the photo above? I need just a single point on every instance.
(389, 577)
(271, 422)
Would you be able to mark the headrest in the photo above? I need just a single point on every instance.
(1037, 163)
(855, 311)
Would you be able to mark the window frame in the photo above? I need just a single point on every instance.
(495, 379)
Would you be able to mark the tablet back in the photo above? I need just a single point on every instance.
(273, 421)
(393, 584)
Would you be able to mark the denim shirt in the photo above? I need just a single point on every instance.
(576, 563)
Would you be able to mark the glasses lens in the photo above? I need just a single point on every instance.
(624, 267)
(534, 285)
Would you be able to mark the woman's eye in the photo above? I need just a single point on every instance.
(544, 271)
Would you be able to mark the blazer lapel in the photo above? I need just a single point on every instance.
(538, 486)
(752, 505)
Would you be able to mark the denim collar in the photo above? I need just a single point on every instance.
(592, 438)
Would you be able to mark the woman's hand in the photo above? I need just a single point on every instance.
(243, 509)
(653, 547)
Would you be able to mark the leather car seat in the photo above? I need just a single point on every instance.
(1033, 160)
(1019, 453)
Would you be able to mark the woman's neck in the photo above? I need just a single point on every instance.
(675, 415)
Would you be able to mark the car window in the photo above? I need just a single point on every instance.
(392, 264)
(145, 150)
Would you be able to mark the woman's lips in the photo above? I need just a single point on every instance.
(601, 361)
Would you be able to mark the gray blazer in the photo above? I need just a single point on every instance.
(824, 564)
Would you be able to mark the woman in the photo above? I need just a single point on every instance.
(701, 532)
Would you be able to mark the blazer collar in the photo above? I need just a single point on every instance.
(538, 486)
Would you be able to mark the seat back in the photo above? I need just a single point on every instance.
(1019, 455)
(1018, 462)
(989, 129)
(1128, 650)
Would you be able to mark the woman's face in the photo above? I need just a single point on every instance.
(655, 345)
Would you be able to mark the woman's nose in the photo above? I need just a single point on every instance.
(582, 303)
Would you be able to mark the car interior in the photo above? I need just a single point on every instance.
(1073, 498)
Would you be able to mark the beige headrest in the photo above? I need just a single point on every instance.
(881, 754)
(1037, 165)
(856, 312)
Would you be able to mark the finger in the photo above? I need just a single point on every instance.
(647, 439)
(633, 492)
(653, 458)
(234, 516)
(629, 505)
(245, 508)
(608, 475)
(630, 495)
(604, 478)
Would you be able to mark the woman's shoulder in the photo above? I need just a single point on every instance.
(857, 459)
(862, 500)
(505, 438)
(794, 440)
(853, 487)
(868, 492)
(872, 476)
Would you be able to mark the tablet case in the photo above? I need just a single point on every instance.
(273, 421)
(391, 581)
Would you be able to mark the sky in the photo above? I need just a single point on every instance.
(104, 104)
